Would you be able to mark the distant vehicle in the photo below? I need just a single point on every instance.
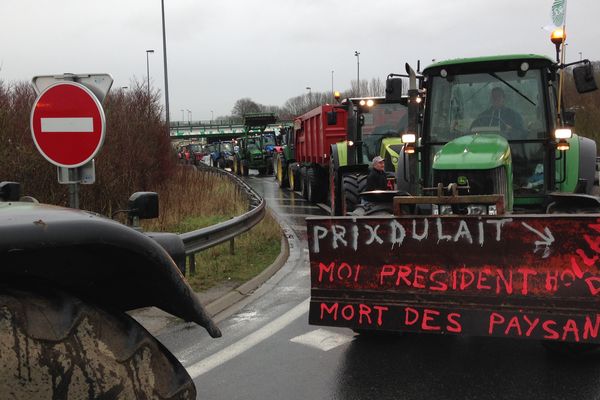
(196, 153)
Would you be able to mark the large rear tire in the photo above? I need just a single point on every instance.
(293, 179)
(352, 186)
(235, 167)
(303, 183)
(56, 346)
(314, 192)
(281, 171)
(335, 203)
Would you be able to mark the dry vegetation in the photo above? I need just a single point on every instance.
(137, 156)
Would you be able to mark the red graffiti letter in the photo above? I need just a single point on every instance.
(364, 310)
(552, 282)
(495, 319)
(442, 285)
(593, 283)
(454, 323)
(415, 313)
(532, 324)
(513, 323)
(552, 334)
(589, 330)
(508, 283)
(526, 272)
(403, 273)
(481, 278)
(386, 270)
(326, 268)
(571, 326)
(419, 280)
(427, 318)
(463, 282)
(329, 310)
(380, 310)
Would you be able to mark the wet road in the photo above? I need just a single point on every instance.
(270, 352)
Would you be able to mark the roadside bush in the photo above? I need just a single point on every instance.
(136, 155)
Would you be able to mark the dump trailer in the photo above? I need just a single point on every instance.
(496, 223)
(68, 279)
(250, 150)
(329, 149)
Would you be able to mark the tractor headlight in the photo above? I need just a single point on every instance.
(563, 133)
(409, 138)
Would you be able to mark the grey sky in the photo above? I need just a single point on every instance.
(224, 50)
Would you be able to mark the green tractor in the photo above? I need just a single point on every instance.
(375, 126)
(251, 150)
(492, 126)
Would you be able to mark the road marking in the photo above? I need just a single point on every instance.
(234, 350)
(322, 339)
(67, 125)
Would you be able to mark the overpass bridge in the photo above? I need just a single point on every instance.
(214, 131)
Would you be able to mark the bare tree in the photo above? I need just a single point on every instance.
(245, 106)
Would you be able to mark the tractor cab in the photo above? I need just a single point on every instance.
(491, 126)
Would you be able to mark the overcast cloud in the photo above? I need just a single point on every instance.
(270, 51)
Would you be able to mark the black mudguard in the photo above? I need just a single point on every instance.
(93, 258)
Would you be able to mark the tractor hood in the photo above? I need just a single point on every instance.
(477, 152)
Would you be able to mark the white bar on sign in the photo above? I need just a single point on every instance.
(84, 124)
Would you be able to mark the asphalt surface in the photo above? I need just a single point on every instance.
(268, 350)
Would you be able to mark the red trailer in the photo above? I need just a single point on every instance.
(315, 134)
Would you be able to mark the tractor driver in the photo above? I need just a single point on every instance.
(377, 179)
(498, 115)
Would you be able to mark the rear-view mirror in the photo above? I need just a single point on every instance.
(393, 89)
(584, 78)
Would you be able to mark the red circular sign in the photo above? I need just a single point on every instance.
(67, 124)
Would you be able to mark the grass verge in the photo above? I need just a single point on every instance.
(197, 199)
(254, 251)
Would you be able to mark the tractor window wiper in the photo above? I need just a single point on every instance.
(512, 87)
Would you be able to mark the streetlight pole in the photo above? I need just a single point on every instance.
(212, 116)
(189, 116)
(167, 117)
(182, 117)
(332, 92)
(357, 54)
(148, 70)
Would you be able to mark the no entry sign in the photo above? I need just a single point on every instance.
(68, 124)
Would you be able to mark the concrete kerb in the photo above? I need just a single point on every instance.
(245, 289)
(223, 297)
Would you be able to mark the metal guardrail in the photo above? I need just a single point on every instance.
(204, 238)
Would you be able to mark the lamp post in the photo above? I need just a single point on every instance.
(167, 116)
(148, 70)
(182, 117)
(332, 92)
(212, 116)
(189, 116)
(357, 54)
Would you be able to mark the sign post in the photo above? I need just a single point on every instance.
(68, 125)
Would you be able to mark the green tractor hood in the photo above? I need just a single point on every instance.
(475, 152)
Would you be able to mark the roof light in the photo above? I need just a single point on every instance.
(370, 103)
(558, 36)
(350, 143)
(563, 133)
(409, 138)
(337, 95)
(409, 148)
(362, 102)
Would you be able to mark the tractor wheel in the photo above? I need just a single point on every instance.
(352, 186)
(293, 180)
(56, 346)
(270, 168)
(313, 186)
(280, 171)
(235, 167)
(303, 183)
(334, 191)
